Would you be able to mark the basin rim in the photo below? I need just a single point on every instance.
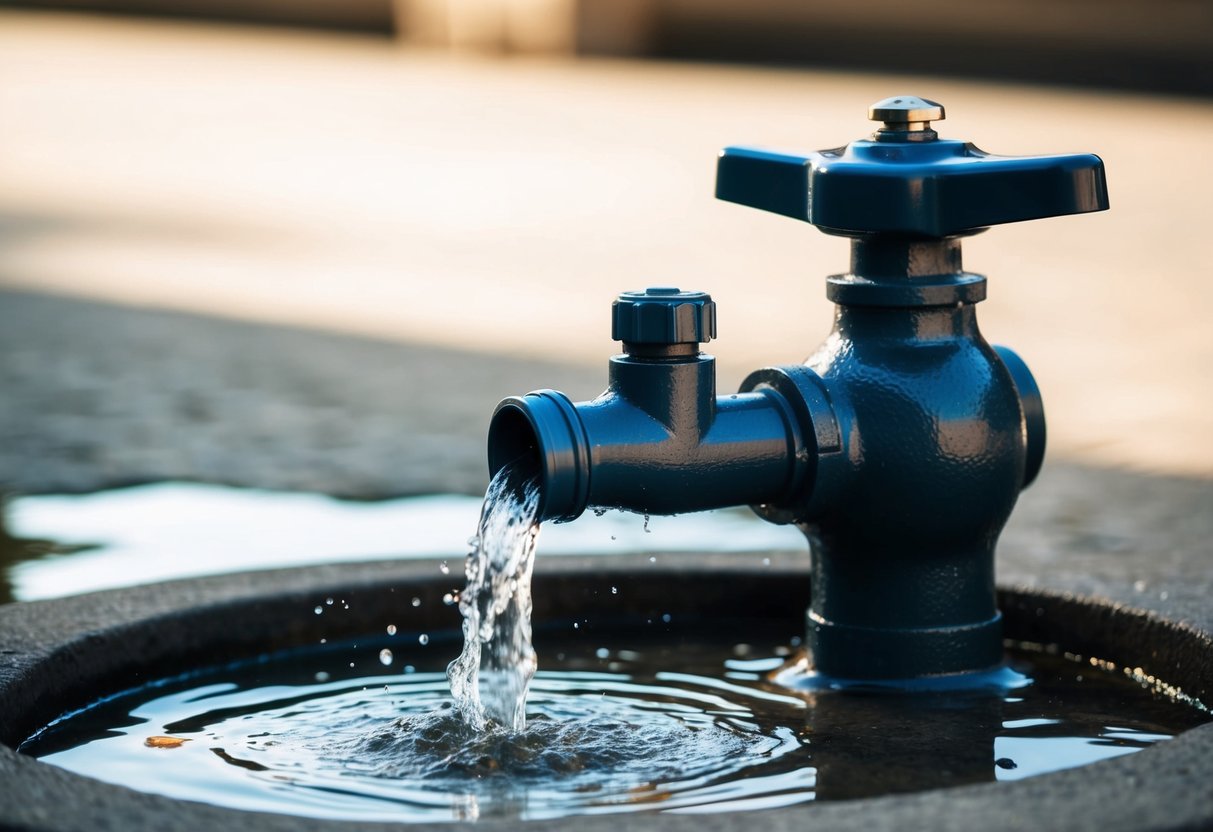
(1167, 786)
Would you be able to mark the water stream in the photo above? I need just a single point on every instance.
(489, 680)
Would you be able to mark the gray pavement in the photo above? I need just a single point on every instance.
(97, 395)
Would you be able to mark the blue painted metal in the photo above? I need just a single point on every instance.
(659, 440)
(900, 446)
(662, 315)
(935, 188)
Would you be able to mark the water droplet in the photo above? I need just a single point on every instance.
(652, 558)
(612, 537)
(1139, 586)
(408, 668)
(351, 664)
(391, 629)
(614, 590)
(602, 653)
(416, 602)
(423, 639)
(666, 617)
(385, 657)
(646, 524)
(766, 561)
(444, 568)
(1006, 763)
(1164, 595)
(598, 512)
(328, 602)
(322, 676)
(450, 598)
(324, 641)
(318, 610)
(576, 626)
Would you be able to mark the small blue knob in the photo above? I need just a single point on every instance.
(905, 180)
(663, 315)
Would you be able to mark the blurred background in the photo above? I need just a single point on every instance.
(1161, 46)
(308, 244)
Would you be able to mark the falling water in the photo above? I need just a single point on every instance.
(490, 678)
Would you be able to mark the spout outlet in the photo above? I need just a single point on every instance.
(542, 435)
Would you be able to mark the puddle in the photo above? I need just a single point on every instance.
(52, 546)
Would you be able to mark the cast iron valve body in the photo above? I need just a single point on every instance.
(899, 447)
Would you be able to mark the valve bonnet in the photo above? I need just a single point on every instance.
(663, 315)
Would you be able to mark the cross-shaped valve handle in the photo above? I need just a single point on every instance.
(906, 180)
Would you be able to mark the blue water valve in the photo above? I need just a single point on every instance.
(902, 443)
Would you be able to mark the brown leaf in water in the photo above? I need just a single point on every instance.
(165, 742)
(647, 793)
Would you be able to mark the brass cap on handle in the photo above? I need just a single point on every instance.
(906, 114)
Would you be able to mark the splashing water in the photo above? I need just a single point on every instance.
(490, 678)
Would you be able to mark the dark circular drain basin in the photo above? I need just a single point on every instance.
(61, 654)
